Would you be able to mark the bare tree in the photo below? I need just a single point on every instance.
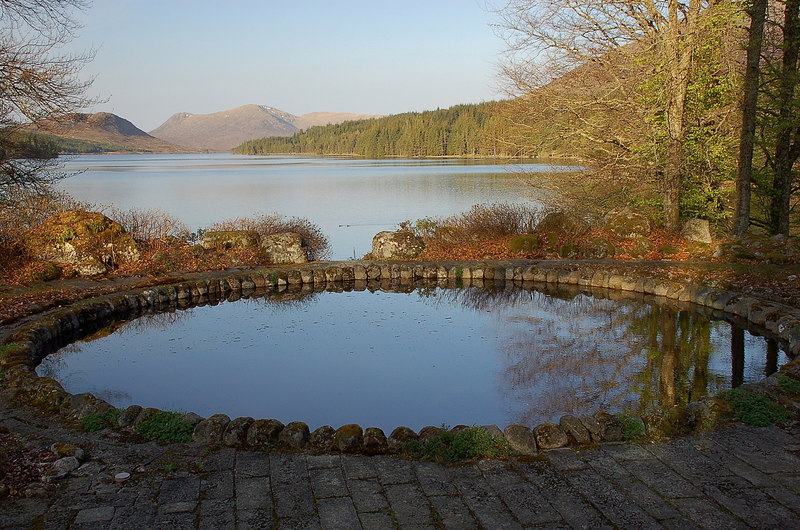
(616, 75)
(37, 83)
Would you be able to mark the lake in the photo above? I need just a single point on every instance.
(350, 199)
(432, 356)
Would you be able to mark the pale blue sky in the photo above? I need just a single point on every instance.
(156, 58)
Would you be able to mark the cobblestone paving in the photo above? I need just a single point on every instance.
(733, 478)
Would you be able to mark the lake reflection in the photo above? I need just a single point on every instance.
(432, 356)
(350, 199)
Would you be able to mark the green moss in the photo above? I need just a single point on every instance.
(95, 227)
(97, 422)
(446, 447)
(166, 427)
(9, 347)
(67, 235)
(790, 385)
(755, 409)
(459, 272)
(525, 243)
(632, 428)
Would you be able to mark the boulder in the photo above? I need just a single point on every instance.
(285, 248)
(576, 430)
(375, 442)
(264, 432)
(550, 436)
(211, 430)
(322, 438)
(520, 439)
(88, 241)
(400, 438)
(399, 245)
(524, 243)
(349, 438)
(557, 225)
(225, 239)
(627, 223)
(697, 230)
(294, 435)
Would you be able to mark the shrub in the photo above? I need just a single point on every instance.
(97, 422)
(318, 245)
(788, 384)
(166, 427)
(481, 221)
(755, 409)
(472, 442)
(632, 428)
(149, 225)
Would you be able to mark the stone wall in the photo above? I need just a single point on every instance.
(59, 327)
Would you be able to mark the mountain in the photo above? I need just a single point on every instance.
(222, 131)
(100, 132)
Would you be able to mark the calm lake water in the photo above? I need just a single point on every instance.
(433, 356)
(350, 199)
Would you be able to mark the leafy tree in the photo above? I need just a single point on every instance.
(36, 84)
(629, 83)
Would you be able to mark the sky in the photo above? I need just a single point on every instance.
(156, 58)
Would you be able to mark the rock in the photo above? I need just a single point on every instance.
(88, 241)
(65, 449)
(45, 272)
(493, 431)
(575, 429)
(285, 248)
(598, 248)
(295, 435)
(65, 466)
(210, 430)
(429, 432)
(226, 239)
(612, 430)
(264, 432)
(322, 438)
(627, 223)
(349, 438)
(524, 243)
(520, 439)
(593, 426)
(550, 436)
(375, 442)
(128, 416)
(399, 245)
(89, 469)
(556, 225)
(400, 438)
(697, 230)
(144, 415)
(236, 432)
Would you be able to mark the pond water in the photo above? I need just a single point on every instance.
(432, 356)
(350, 199)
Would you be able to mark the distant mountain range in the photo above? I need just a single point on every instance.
(224, 130)
(101, 132)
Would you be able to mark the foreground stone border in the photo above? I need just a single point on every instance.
(61, 326)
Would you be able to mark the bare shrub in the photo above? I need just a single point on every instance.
(318, 245)
(481, 221)
(149, 225)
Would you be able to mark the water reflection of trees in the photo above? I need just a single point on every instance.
(568, 352)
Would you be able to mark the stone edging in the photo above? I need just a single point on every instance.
(61, 326)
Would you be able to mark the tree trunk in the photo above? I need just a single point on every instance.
(782, 179)
(741, 219)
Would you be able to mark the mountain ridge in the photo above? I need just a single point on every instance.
(224, 130)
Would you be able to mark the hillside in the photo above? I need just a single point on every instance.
(221, 131)
(462, 130)
(98, 133)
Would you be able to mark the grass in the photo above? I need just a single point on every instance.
(755, 409)
(166, 427)
(9, 347)
(447, 447)
(788, 384)
(97, 422)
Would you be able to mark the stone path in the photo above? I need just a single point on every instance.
(732, 478)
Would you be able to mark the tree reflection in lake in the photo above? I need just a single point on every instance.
(568, 352)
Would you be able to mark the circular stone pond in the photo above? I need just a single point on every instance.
(430, 356)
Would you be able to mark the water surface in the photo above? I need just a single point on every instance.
(433, 356)
(350, 199)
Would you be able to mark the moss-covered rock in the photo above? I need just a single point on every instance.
(399, 245)
(627, 223)
(89, 241)
(349, 438)
(285, 248)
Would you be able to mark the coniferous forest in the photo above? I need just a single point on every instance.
(462, 130)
